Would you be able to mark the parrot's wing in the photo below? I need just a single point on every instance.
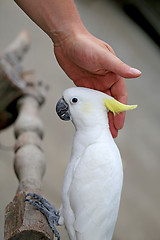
(92, 190)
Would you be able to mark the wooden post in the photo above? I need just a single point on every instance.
(11, 82)
(22, 221)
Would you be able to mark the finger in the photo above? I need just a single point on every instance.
(114, 64)
(103, 82)
(112, 128)
(119, 120)
(119, 92)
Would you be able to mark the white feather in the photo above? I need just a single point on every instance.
(93, 178)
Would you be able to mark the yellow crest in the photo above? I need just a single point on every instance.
(116, 107)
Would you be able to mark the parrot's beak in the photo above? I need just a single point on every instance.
(62, 110)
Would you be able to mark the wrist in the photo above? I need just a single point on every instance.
(66, 31)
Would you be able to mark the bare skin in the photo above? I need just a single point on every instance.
(87, 60)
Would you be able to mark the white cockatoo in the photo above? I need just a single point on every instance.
(93, 179)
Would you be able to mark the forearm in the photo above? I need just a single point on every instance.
(58, 18)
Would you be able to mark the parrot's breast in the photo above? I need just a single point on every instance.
(94, 192)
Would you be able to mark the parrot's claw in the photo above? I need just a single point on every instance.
(48, 209)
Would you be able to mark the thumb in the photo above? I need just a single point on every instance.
(114, 64)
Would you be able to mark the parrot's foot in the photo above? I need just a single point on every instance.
(48, 209)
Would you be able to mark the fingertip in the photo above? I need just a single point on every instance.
(119, 120)
(134, 72)
(129, 72)
(114, 133)
(112, 128)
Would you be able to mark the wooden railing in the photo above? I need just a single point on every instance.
(26, 94)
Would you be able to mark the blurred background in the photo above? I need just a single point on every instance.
(132, 29)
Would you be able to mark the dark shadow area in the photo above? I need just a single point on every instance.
(146, 13)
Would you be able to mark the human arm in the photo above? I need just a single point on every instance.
(88, 61)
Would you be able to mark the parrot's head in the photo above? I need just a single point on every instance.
(87, 107)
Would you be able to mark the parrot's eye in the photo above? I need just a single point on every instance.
(74, 100)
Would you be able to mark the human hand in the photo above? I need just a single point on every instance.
(92, 63)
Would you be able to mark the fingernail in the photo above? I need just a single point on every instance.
(135, 71)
